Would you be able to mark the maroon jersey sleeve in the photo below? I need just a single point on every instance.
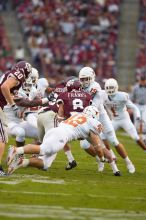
(60, 88)
(74, 101)
(18, 76)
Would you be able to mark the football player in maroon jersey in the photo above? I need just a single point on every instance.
(70, 102)
(10, 82)
(73, 100)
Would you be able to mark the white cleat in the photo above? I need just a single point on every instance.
(11, 154)
(131, 168)
(100, 166)
(15, 164)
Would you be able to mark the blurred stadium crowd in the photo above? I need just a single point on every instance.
(141, 55)
(63, 36)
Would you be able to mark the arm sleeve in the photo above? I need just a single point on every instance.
(28, 103)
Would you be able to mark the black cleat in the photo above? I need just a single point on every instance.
(71, 165)
(117, 173)
(2, 172)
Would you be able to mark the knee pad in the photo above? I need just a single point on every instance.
(84, 144)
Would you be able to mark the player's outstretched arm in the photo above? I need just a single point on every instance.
(31, 103)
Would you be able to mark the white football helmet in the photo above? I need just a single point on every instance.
(34, 76)
(91, 111)
(31, 81)
(86, 76)
(111, 86)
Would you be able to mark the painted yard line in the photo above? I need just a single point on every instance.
(43, 215)
(68, 194)
(34, 211)
(29, 176)
(49, 181)
(35, 193)
(11, 180)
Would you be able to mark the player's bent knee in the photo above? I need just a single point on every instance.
(111, 137)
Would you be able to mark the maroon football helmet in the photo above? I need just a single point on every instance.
(23, 66)
(73, 84)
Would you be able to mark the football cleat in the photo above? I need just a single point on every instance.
(11, 154)
(117, 173)
(2, 172)
(100, 166)
(15, 164)
(131, 168)
(71, 165)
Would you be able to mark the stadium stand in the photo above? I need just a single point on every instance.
(65, 35)
(6, 58)
(141, 55)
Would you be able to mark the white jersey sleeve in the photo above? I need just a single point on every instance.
(42, 85)
(135, 109)
(33, 94)
(93, 88)
(21, 93)
(98, 101)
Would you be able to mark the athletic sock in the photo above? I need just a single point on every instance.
(114, 166)
(69, 156)
(127, 160)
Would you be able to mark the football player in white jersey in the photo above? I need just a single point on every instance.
(117, 103)
(17, 126)
(87, 78)
(37, 91)
(79, 126)
(26, 125)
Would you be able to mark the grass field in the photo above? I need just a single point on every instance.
(78, 194)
